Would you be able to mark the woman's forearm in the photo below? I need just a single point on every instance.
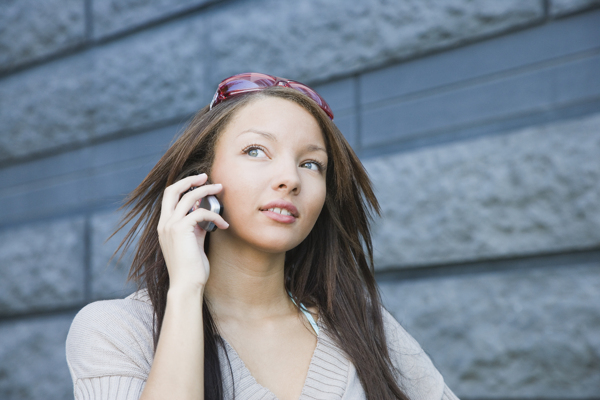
(178, 368)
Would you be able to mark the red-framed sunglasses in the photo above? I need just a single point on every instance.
(255, 81)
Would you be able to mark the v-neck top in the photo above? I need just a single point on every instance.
(326, 362)
(110, 352)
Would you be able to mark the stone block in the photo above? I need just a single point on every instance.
(525, 192)
(31, 29)
(38, 113)
(153, 76)
(513, 334)
(130, 150)
(501, 55)
(108, 280)
(333, 38)
(111, 16)
(340, 94)
(92, 177)
(79, 193)
(33, 364)
(346, 123)
(341, 97)
(564, 7)
(42, 266)
(479, 104)
(149, 77)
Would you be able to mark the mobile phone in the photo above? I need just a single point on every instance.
(210, 203)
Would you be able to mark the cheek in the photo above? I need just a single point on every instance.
(239, 192)
(317, 195)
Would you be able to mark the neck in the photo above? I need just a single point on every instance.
(244, 282)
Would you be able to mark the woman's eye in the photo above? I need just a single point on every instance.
(312, 165)
(256, 152)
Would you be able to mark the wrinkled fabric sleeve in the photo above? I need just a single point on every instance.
(109, 387)
(109, 350)
(448, 395)
(416, 374)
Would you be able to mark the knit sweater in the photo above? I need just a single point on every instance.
(110, 352)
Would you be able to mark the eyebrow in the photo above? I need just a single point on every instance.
(270, 136)
(314, 147)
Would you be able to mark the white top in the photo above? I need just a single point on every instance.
(110, 352)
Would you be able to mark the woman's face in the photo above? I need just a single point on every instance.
(271, 160)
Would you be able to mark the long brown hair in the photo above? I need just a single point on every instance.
(332, 269)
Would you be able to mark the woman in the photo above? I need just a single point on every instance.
(280, 301)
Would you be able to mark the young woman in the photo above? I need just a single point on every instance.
(280, 301)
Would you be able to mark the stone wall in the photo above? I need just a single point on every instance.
(479, 123)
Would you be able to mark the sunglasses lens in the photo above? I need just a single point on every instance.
(313, 95)
(247, 81)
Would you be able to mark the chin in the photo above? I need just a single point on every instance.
(264, 236)
(276, 243)
(272, 240)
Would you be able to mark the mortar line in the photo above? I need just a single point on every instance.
(484, 79)
(176, 122)
(358, 111)
(89, 20)
(35, 314)
(546, 10)
(490, 127)
(560, 259)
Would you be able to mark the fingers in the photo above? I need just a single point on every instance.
(192, 198)
(176, 208)
(172, 193)
(202, 214)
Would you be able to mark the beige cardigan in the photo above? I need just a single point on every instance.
(110, 352)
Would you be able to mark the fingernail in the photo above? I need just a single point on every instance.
(202, 174)
(218, 185)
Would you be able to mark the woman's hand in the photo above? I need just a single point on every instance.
(177, 371)
(180, 237)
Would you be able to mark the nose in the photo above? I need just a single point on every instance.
(286, 178)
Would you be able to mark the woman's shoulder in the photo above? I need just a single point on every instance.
(416, 372)
(132, 314)
(399, 340)
(112, 337)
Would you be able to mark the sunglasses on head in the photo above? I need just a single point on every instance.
(255, 81)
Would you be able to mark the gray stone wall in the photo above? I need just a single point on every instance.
(527, 333)
(478, 122)
(522, 193)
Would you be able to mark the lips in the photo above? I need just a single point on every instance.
(281, 207)
(281, 211)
